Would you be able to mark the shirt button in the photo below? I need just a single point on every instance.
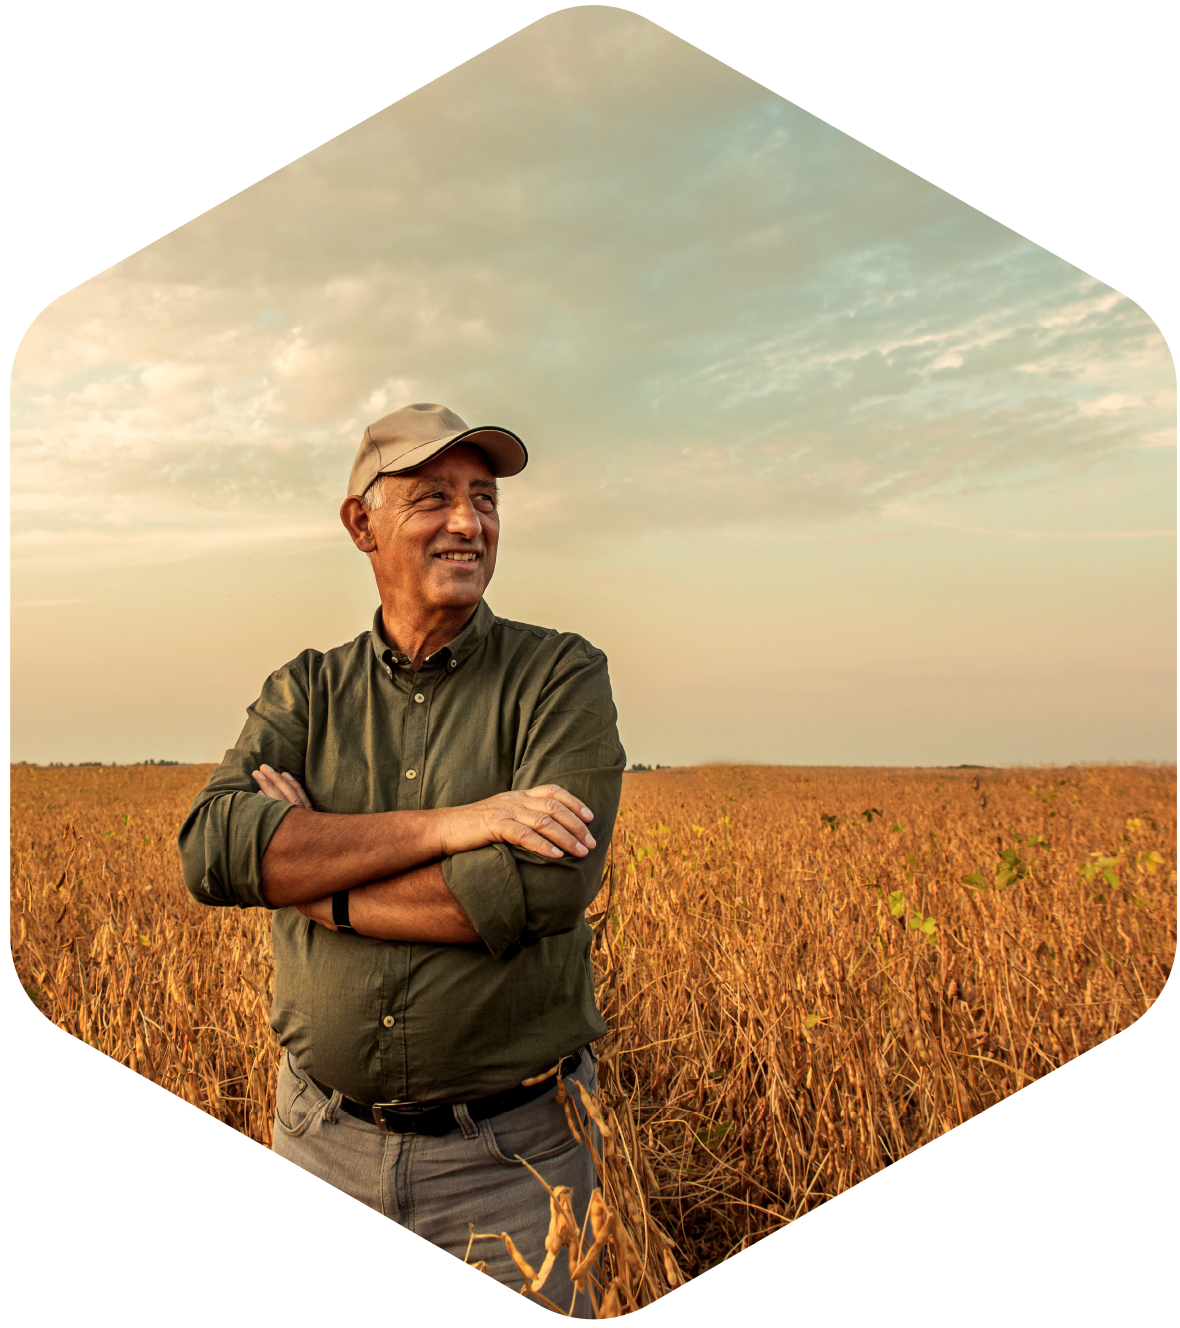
(419, 697)
(454, 663)
(411, 774)
(389, 1021)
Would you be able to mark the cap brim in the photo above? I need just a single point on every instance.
(505, 452)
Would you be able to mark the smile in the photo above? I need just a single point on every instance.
(454, 557)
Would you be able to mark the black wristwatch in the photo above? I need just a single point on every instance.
(340, 912)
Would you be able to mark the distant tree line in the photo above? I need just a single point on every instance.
(71, 765)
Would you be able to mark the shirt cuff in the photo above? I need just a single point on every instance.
(489, 890)
(222, 847)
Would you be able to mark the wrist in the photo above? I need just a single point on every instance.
(340, 917)
(440, 839)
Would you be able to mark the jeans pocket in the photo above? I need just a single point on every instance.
(296, 1100)
(536, 1132)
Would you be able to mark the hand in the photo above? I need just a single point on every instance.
(283, 788)
(318, 910)
(548, 820)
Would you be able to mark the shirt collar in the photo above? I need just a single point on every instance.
(465, 644)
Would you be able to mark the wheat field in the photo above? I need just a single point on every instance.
(805, 973)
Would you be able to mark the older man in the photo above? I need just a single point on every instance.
(438, 799)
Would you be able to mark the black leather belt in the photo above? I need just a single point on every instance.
(438, 1118)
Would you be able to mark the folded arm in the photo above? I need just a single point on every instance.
(518, 867)
(313, 854)
(414, 906)
(409, 900)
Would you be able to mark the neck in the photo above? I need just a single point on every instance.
(422, 631)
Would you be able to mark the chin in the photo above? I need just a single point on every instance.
(458, 596)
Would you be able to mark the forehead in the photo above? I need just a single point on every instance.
(462, 464)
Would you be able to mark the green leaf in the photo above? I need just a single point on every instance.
(811, 1020)
(976, 878)
(711, 1138)
(1110, 877)
(897, 903)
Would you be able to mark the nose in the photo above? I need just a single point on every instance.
(464, 519)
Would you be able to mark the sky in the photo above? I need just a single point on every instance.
(835, 468)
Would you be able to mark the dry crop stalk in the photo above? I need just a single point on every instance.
(616, 1270)
(776, 1032)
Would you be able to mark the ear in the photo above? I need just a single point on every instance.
(356, 522)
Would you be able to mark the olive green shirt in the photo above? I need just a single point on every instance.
(504, 706)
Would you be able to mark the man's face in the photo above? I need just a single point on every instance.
(435, 535)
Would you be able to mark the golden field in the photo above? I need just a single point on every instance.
(806, 973)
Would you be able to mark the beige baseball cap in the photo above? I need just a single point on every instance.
(415, 434)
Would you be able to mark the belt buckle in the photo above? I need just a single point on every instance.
(378, 1109)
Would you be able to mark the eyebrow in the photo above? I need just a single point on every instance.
(427, 481)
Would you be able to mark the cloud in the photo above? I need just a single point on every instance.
(698, 304)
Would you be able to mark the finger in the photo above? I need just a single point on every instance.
(304, 800)
(516, 832)
(273, 786)
(576, 805)
(552, 829)
(561, 813)
(265, 784)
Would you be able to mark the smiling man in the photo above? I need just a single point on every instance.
(427, 810)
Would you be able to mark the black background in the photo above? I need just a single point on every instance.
(1061, 124)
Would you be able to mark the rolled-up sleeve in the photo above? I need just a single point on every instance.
(512, 896)
(230, 823)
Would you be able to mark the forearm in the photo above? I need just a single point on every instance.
(412, 906)
(313, 854)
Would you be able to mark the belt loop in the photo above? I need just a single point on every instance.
(331, 1107)
(466, 1124)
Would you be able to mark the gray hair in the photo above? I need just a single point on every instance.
(374, 496)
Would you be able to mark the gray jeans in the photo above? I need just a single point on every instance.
(436, 1185)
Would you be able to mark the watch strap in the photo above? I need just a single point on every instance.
(340, 912)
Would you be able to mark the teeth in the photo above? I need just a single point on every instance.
(459, 557)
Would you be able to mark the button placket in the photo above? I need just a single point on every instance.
(417, 717)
